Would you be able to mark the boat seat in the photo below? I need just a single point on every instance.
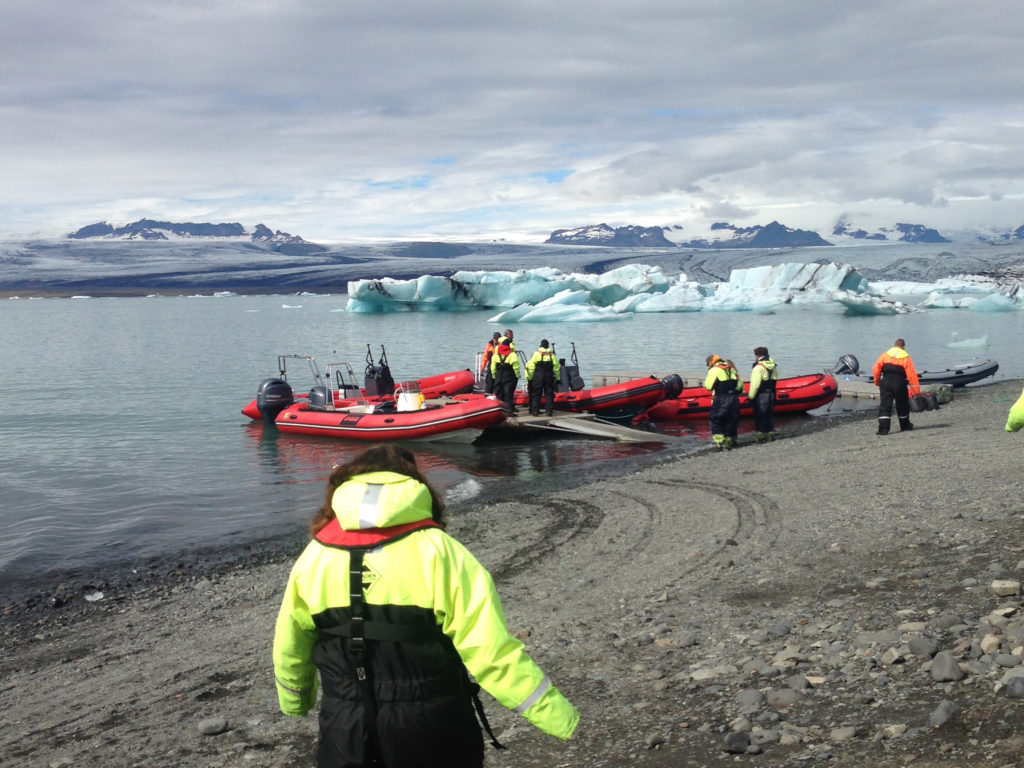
(360, 409)
(365, 408)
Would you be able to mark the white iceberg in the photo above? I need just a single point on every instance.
(546, 294)
(567, 306)
(994, 302)
(979, 343)
(866, 304)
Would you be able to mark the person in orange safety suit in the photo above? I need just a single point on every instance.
(896, 378)
(485, 363)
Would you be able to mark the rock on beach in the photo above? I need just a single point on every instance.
(823, 599)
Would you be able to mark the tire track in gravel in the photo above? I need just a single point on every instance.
(562, 521)
(755, 512)
(658, 530)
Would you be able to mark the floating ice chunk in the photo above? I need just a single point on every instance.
(979, 343)
(937, 300)
(994, 302)
(567, 306)
(945, 285)
(617, 284)
(864, 304)
(573, 313)
(509, 289)
(626, 289)
(680, 297)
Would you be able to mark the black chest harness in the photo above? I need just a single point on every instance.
(360, 631)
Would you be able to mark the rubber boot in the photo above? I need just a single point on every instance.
(905, 425)
(720, 441)
(883, 426)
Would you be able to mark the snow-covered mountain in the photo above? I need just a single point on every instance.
(724, 235)
(772, 235)
(149, 229)
(619, 237)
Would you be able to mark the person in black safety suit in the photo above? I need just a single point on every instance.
(763, 378)
(542, 371)
(396, 645)
(505, 370)
(725, 384)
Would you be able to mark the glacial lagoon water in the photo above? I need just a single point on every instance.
(123, 440)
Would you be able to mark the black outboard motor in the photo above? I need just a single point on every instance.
(846, 364)
(273, 396)
(673, 385)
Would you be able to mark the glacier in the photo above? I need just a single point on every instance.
(545, 294)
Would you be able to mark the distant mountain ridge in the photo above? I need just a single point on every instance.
(619, 237)
(908, 233)
(150, 229)
(724, 235)
(773, 235)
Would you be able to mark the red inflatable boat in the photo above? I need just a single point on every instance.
(623, 401)
(276, 394)
(794, 395)
(459, 421)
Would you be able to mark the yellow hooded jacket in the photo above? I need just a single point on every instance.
(424, 571)
(1015, 419)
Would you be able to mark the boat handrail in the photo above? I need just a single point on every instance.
(337, 383)
(282, 366)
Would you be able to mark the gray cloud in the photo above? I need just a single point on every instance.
(400, 119)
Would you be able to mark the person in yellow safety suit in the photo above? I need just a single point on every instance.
(1015, 419)
(542, 372)
(725, 384)
(508, 337)
(896, 378)
(394, 649)
(505, 370)
(762, 394)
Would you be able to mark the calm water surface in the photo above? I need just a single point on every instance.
(122, 436)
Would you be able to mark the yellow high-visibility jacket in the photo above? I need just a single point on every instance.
(763, 373)
(411, 575)
(1015, 419)
(543, 356)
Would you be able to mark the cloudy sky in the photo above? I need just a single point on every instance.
(342, 120)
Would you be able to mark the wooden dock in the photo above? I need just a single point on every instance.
(579, 424)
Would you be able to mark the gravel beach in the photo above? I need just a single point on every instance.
(830, 598)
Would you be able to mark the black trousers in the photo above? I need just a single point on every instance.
(725, 413)
(542, 387)
(893, 391)
(505, 390)
(764, 411)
